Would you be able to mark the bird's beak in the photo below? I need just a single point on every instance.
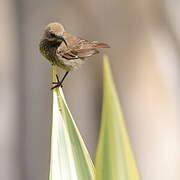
(60, 37)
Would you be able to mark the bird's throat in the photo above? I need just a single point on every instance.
(48, 49)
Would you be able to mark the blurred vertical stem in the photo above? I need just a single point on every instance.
(114, 160)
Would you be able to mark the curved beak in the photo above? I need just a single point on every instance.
(60, 37)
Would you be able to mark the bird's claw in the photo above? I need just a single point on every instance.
(56, 86)
(58, 83)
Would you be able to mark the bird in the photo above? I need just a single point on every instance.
(66, 51)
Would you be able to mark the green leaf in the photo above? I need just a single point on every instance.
(114, 159)
(70, 159)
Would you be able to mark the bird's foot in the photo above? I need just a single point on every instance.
(58, 83)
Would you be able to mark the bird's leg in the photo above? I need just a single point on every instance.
(59, 83)
(57, 80)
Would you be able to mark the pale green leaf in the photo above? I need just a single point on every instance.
(114, 159)
(70, 159)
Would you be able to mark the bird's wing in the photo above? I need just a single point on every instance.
(78, 48)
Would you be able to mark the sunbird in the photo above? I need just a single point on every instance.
(65, 50)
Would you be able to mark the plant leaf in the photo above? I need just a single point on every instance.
(114, 159)
(70, 159)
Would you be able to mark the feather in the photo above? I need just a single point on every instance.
(78, 48)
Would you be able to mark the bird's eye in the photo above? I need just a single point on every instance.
(52, 35)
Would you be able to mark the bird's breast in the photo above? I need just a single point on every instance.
(48, 50)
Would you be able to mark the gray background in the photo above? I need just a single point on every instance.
(145, 45)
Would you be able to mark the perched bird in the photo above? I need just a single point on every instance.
(65, 50)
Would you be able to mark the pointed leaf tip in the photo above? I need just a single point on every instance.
(70, 159)
(114, 158)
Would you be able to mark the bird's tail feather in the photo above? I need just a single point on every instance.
(100, 45)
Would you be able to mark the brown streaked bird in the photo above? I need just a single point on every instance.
(65, 50)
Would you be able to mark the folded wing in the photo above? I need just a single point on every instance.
(78, 48)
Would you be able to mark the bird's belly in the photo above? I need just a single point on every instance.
(68, 65)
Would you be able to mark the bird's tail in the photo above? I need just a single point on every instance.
(100, 45)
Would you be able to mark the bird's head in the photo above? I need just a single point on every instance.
(54, 33)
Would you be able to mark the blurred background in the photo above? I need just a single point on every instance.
(145, 58)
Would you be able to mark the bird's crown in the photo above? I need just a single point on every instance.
(55, 28)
